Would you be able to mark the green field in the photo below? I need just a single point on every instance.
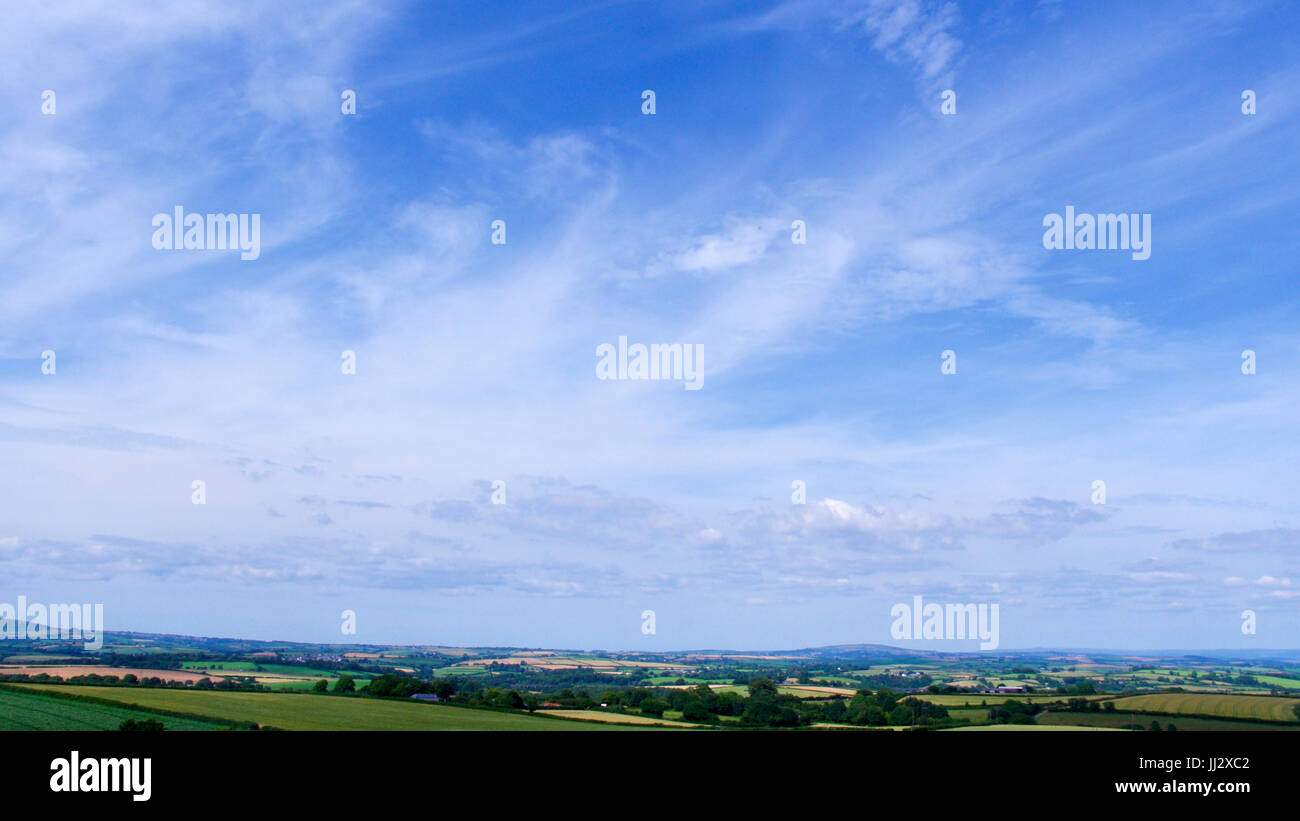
(308, 712)
(1278, 681)
(222, 666)
(1215, 705)
(290, 670)
(1122, 720)
(30, 711)
(990, 699)
(975, 715)
(301, 686)
(252, 668)
(1015, 728)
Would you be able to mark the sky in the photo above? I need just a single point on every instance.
(823, 360)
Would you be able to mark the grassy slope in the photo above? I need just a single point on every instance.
(1013, 728)
(311, 712)
(31, 711)
(1228, 706)
(1121, 720)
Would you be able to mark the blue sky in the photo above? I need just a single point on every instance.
(476, 362)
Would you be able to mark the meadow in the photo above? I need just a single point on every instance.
(288, 711)
(1217, 705)
(1015, 728)
(32, 711)
(989, 699)
(1124, 720)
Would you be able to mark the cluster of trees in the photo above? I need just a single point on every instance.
(1014, 712)
(886, 707)
(763, 705)
(523, 677)
(397, 686)
(467, 692)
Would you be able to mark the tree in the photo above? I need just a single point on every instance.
(834, 710)
(345, 684)
(653, 706)
(321, 686)
(762, 687)
(696, 711)
(444, 688)
(761, 712)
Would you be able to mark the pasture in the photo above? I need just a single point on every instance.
(988, 699)
(1016, 728)
(1214, 705)
(1122, 720)
(32, 711)
(291, 711)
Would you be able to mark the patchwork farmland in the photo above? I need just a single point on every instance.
(194, 683)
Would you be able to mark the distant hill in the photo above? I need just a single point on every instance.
(121, 641)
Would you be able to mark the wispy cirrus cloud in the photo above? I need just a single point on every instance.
(475, 360)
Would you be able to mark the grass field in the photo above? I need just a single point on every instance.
(1015, 728)
(975, 715)
(31, 711)
(1278, 681)
(307, 712)
(990, 699)
(1121, 720)
(1215, 705)
(219, 666)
